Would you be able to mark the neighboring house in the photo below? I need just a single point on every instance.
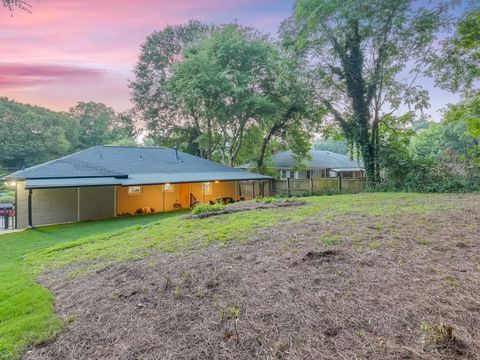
(321, 164)
(106, 181)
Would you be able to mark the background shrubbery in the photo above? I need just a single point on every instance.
(7, 199)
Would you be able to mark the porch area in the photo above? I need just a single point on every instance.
(132, 200)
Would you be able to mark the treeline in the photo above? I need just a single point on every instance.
(31, 134)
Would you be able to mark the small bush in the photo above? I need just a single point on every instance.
(277, 199)
(202, 208)
(7, 199)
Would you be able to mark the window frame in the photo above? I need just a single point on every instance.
(207, 188)
(136, 192)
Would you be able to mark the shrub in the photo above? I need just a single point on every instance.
(7, 199)
(201, 208)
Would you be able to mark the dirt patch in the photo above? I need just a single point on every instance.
(247, 206)
(374, 295)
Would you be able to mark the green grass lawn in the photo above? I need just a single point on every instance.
(26, 309)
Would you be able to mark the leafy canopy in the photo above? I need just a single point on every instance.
(358, 50)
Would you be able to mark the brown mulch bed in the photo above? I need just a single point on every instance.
(247, 206)
(287, 295)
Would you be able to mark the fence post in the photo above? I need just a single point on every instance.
(339, 184)
(288, 187)
(253, 189)
(311, 186)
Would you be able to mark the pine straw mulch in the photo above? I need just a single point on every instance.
(384, 292)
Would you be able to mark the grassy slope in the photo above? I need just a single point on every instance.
(26, 309)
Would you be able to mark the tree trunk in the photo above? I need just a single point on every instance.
(368, 154)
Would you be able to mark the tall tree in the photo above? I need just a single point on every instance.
(123, 127)
(221, 82)
(358, 49)
(161, 50)
(294, 116)
(98, 124)
(457, 65)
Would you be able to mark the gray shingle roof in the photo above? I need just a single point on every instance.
(132, 165)
(319, 160)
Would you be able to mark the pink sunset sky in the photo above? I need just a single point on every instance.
(67, 51)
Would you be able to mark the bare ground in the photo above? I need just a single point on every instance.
(285, 294)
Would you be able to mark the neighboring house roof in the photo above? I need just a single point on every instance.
(116, 165)
(319, 160)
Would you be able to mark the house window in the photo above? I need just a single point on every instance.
(207, 188)
(168, 187)
(308, 174)
(134, 190)
(292, 174)
(283, 174)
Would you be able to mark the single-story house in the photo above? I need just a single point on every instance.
(320, 165)
(108, 181)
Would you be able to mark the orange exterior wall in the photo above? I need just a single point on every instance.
(152, 196)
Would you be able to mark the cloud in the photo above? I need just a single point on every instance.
(23, 75)
(51, 57)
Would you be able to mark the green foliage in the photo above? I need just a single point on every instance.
(336, 146)
(7, 199)
(239, 97)
(217, 84)
(358, 51)
(449, 145)
(202, 208)
(457, 66)
(99, 125)
(161, 50)
(31, 134)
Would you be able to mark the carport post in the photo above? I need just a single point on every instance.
(78, 204)
(30, 208)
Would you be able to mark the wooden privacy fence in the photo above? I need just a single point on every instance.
(301, 187)
(251, 189)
